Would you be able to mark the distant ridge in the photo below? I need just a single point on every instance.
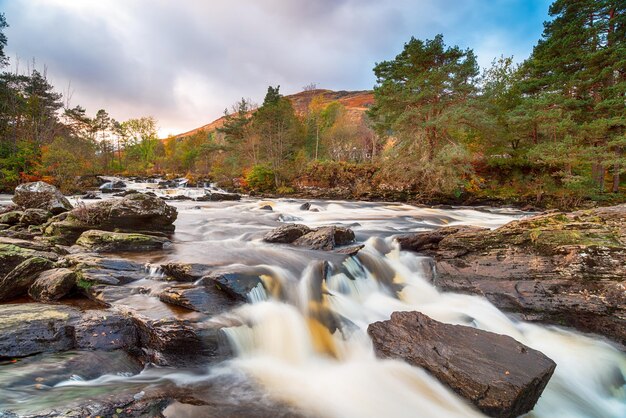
(355, 102)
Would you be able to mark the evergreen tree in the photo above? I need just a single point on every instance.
(3, 41)
(420, 95)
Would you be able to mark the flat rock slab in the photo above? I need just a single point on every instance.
(499, 375)
(32, 328)
(106, 241)
(563, 268)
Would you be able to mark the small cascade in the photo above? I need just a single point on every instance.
(312, 349)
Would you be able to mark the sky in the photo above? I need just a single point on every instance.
(185, 61)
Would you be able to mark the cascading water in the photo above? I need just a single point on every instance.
(286, 348)
(301, 340)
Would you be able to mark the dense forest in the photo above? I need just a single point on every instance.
(550, 131)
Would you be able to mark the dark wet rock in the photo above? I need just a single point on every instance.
(267, 208)
(31, 328)
(501, 376)
(168, 341)
(41, 195)
(186, 272)
(35, 216)
(17, 282)
(325, 238)
(92, 269)
(350, 251)
(11, 218)
(218, 197)
(429, 240)
(113, 186)
(563, 268)
(286, 234)
(11, 232)
(205, 299)
(237, 285)
(106, 241)
(168, 184)
(91, 196)
(135, 212)
(305, 206)
(52, 285)
(105, 330)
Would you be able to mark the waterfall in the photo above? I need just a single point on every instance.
(312, 349)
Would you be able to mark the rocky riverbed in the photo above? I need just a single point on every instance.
(136, 305)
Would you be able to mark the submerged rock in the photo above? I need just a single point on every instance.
(567, 269)
(305, 206)
(41, 195)
(499, 375)
(105, 241)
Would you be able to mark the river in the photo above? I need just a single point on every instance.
(285, 362)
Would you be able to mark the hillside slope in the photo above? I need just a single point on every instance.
(355, 102)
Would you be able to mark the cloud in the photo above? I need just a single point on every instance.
(184, 62)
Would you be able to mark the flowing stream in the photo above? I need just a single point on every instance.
(301, 348)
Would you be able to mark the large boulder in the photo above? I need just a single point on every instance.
(499, 375)
(19, 280)
(105, 241)
(136, 212)
(563, 268)
(41, 195)
(52, 285)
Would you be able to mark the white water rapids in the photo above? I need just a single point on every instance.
(283, 343)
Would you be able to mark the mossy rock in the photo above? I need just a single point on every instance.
(11, 218)
(106, 241)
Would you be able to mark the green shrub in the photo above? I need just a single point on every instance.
(261, 178)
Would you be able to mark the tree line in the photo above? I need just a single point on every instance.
(551, 129)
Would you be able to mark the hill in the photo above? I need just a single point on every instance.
(355, 102)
